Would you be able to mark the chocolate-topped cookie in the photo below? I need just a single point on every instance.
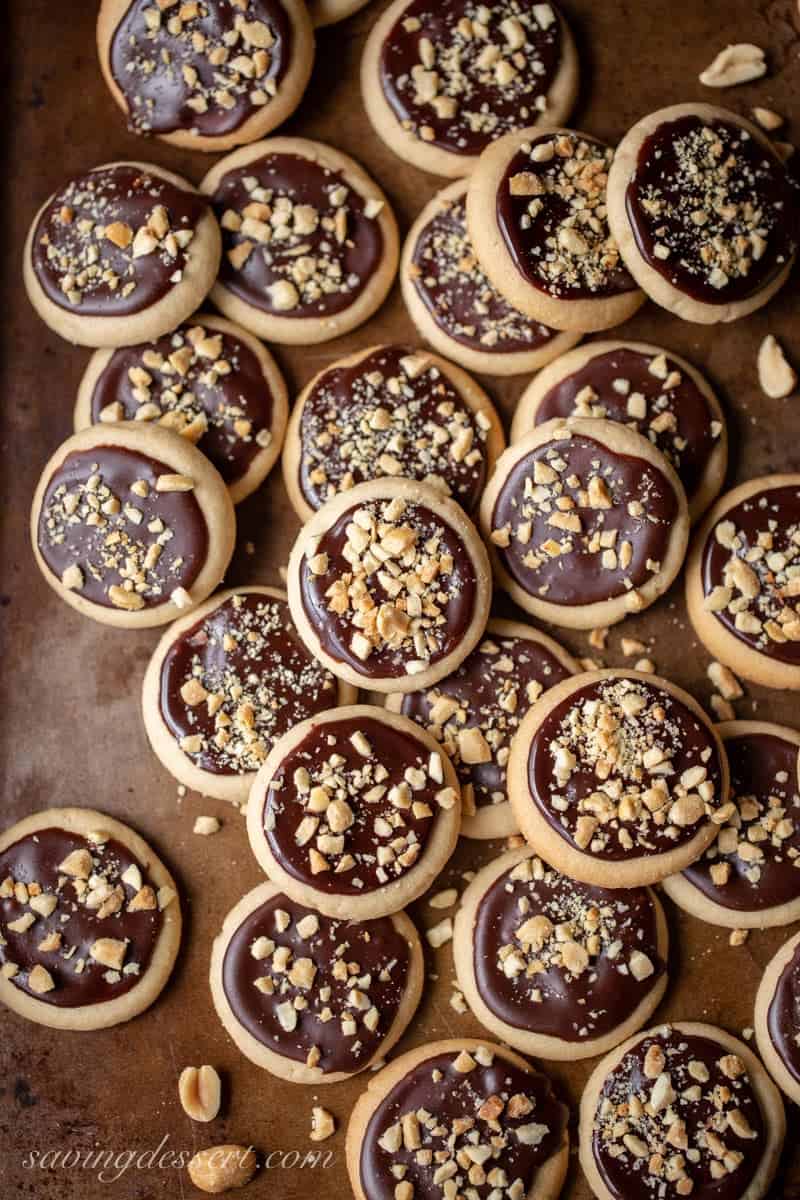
(704, 212)
(131, 524)
(355, 812)
(618, 778)
(90, 921)
(207, 74)
(458, 1117)
(742, 584)
(224, 683)
(537, 218)
(777, 1018)
(310, 244)
(749, 878)
(456, 308)
(312, 999)
(208, 380)
(646, 388)
(558, 969)
(389, 585)
(121, 255)
(680, 1110)
(441, 79)
(390, 411)
(585, 521)
(475, 712)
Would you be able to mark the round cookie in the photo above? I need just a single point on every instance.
(680, 1110)
(749, 878)
(210, 75)
(456, 308)
(647, 388)
(209, 381)
(121, 255)
(310, 243)
(89, 917)
(536, 215)
(460, 1110)
(558, 969)
(442, 78)
(617, 778)
(390, 411)
(311, 999)
(224, 683)
(131, 524)
(777, 1018)
(585, 521)
(328, 12)
(741, 584)
(703, 212)
(355, 812)
(389, 585)
(475, 712)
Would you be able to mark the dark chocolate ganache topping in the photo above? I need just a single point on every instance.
(204, 66)
(551, 210)
(316, 990)
(236, 681)
(755, 861)
(121, 528)
(459, 297)
(393, 413)
(650, 393)
(78, 915)
(576, 522)
(712, 209)
(458, 74)
(299, 240)
(389, 589)
(623, 769)
(783, 1016)
(750, 572)
(114, 241)
(475, 712)
(351, 807)
(678, 1116)
(470, 1117)
(206, 385)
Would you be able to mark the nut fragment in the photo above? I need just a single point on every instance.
(200, 1092)
(323, 1124)
(776, 377)
(739, 63)
(220, 1168)
(206, 826)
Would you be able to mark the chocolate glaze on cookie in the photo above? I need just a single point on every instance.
(96, 917)
(114, 241)
(783, 1017)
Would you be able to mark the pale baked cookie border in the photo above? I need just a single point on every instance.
(424, 155)
(651, 281)
(683, 892)
(280, 1064)
(234, 788)
(385, 899)
(307, 331)
(582, 316)
(541, 1045)
(85, 1017)
(209, 491)
(330, 12)
(445, 510)
(548, 1180)
(202, 265)
(764, 997)
(261, 121)
(490, 821)
(718, 641)
(486, 362)
(644, 869)
(617, 439)
(472, 395)
(574, 360)
(764, 1090)
(265, 458)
